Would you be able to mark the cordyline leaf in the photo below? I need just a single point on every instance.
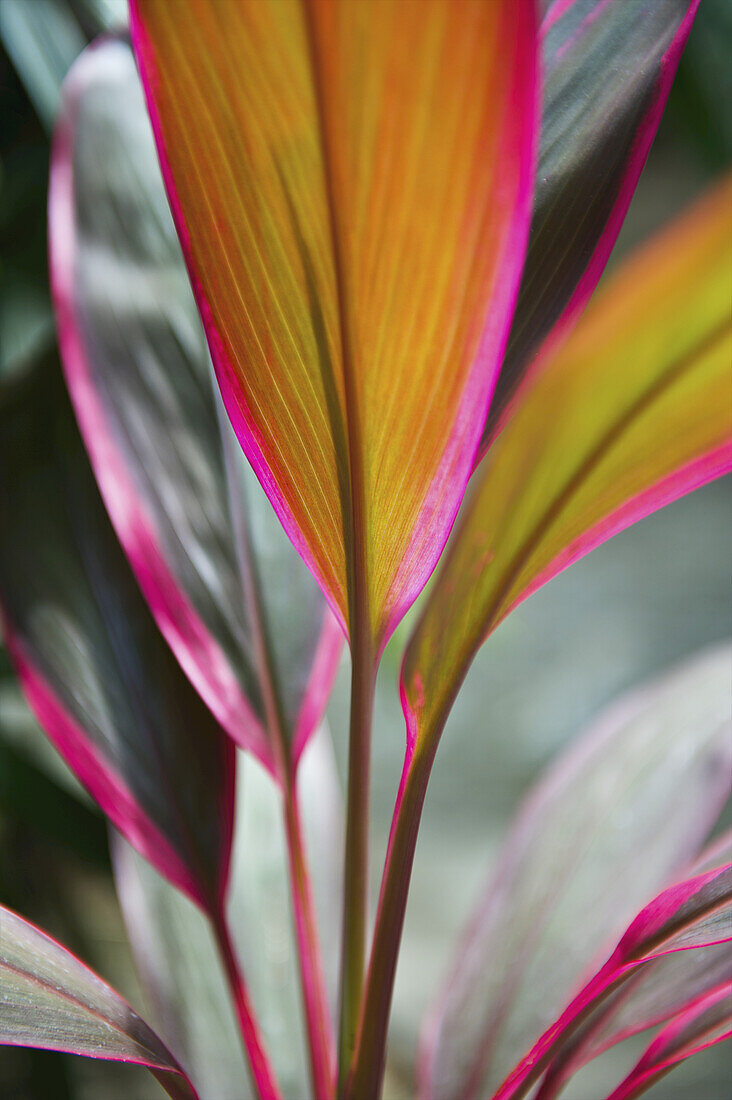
(241, 613)
(618, 814)
(93, 666)
(607, 71)
(632, 412)
(176, 953)
(661, 990)
(689, 915)
(351, 185)
(657, 992)
(49, 999)
(703, 1024)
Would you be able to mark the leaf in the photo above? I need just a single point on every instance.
(51, 1000)
(616, 816)
(661, 990)
(702, 1025)
(176, 953)
(20, 731)
(689, 915)
(42, 39)
(658, 991)
(607, 70)
(631, 413)
(351, 187)
(222, 580)
(90, 660)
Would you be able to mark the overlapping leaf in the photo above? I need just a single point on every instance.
(176, 952)
(242, 614)
(703, 1024)
(351, 185)
(633, 411)
(51, 1000)
(607, 72)
(661, 990)
(91, 661)
(623, 810)
(690, 915)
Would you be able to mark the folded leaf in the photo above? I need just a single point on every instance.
(222, 580)
(351, 185)
(632, 412)
(607, 70)
(98, 675)
(51, 1000)
(176, 953)
(702, 1025)
(696, 913)
(617, 815)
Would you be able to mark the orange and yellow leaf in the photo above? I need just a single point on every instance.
(351, 184)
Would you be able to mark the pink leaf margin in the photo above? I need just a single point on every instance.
(464, 439)
(636, 947)
(158, 1067)
(636, 162)
(110, 791)
(664, 1052)
(520, 128)
(686, 479)
(199, 654)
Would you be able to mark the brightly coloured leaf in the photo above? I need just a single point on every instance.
(176, 952)
(633, 411)
(351, 185)
(707, 1022)
(659, 991)
(689, 915)
(51, 1000)
(607, 71)
(613, 820)
(232, 598)
(93, 666)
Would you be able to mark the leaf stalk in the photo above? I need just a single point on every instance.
(355, 882)
(321, 1047)
(366, 1077)
(261, 1070)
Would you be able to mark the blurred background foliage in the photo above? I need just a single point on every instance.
(652, 595)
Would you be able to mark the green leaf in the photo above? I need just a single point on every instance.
(51, 1000)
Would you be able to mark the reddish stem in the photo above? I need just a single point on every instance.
(262, 1073)
(365, 1079)
(321, 1045)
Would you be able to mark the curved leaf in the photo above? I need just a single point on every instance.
(702, 1025)
(614, 818)
(95, 670)
(693, 914)
(176, 952)
(607, 71)
(351, 185)
(659, 991)
(191, 517)
(51, 1000)
(632, 412)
